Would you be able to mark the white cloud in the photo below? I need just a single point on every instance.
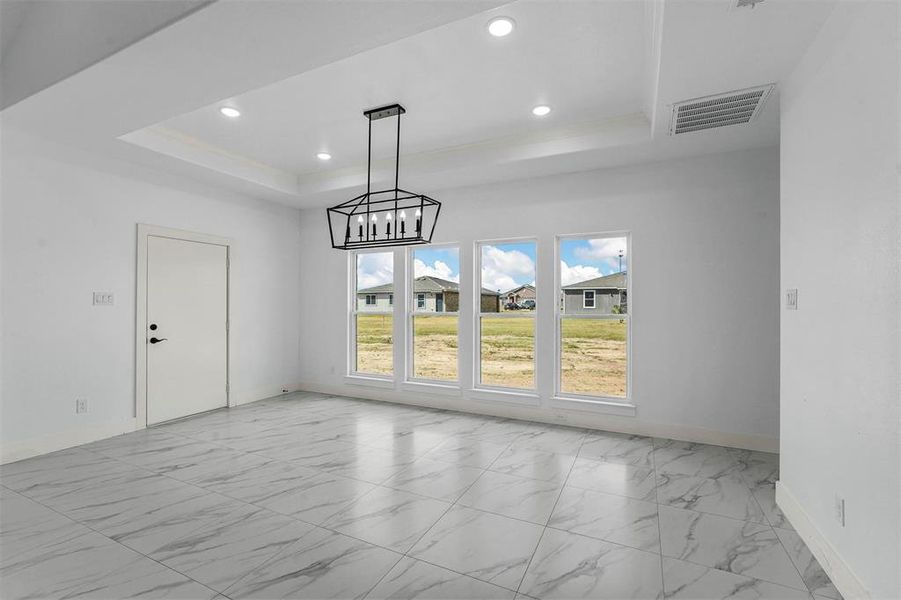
(577, 273)
(605, 250)
(502, 270)
(438, 269)
(374, 269)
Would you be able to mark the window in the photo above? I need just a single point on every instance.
(434, 320)
(372, 314)
(588, 299)
(506, 332)
(391, 299)
(593, 320)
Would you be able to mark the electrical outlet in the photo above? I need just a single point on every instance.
(81, 405)
(840, 510)
(791, 299)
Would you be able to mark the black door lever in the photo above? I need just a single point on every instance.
(155, 340)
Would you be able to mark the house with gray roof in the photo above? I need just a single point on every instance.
(602, 295)
(430, 294)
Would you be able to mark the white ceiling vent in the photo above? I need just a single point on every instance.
(731, 108)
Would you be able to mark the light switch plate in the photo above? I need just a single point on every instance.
(791, 299)
(103, 299)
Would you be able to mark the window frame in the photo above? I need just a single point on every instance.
(420, 298)
(478, 315)
(353, 312)
(594, 303)
(598, 399)
(413, 311)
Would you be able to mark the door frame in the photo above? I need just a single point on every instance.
(144, 233)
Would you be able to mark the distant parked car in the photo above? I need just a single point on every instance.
(512, 306)
(528, 304)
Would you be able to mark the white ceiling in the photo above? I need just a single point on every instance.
(45, 41)
(459, 85)
(302, 73)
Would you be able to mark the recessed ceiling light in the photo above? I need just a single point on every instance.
(230, 112)
(500, 26)
(541, 110)
(323, 156)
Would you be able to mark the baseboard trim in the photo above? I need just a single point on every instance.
(551, 414)
(246, 397)
(14, 451)
(52, 442)
(843, 577)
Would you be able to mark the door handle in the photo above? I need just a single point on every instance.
(155, 340)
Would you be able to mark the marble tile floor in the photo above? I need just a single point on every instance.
(311, 496)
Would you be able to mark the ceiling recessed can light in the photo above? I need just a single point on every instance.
(230, 112)
(323, 156)
(500, 26)
(541, 110)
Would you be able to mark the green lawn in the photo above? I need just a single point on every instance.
(593, 351)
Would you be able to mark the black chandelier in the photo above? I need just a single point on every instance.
(391, 217)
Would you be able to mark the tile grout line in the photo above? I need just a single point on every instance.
(659, 528)
(403, 555)
(550, 516)
(406, 554)
(117, 542)
(792, 561)
(243, 502)
(484, 470)
(449, 508)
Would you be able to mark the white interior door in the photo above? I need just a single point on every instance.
(187, 338)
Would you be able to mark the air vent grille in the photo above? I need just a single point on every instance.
(732, 108)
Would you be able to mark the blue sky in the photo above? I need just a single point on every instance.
(504, 266)
(582, 259)
(437, 262)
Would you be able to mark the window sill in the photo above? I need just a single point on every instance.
(447, 389)
(598, 405)
(369, 381)
(513, 396)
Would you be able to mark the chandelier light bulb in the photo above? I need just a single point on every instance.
(403, 215)
(388, 217)
(418, 213)
(360, 219)
(375, 218)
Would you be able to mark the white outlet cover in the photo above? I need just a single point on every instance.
(791, 299)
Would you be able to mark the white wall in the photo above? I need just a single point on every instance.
(69, 228)
(45, 42)
(840, 366)
(705, 304)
